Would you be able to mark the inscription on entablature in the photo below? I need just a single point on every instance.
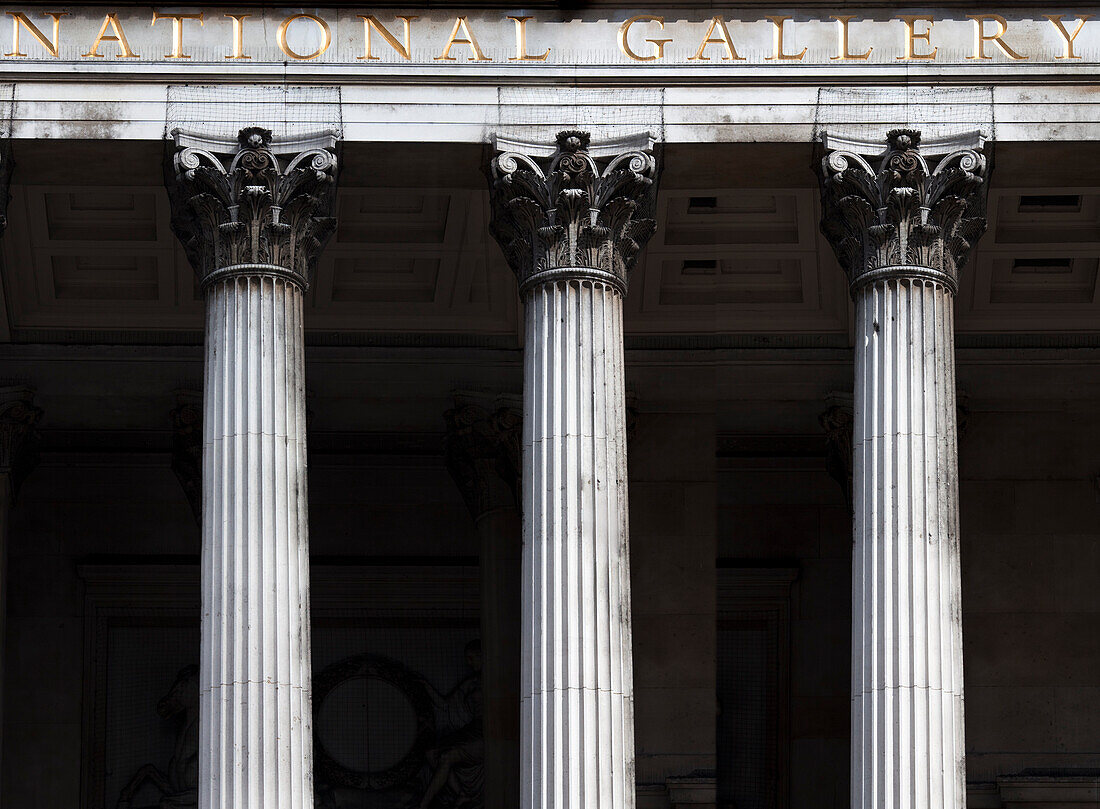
(370, 38)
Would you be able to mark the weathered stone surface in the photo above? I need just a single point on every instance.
(571, 228)
(252, 206)
(574, 211)
(911, 215)
(253, 224)
(901, 232)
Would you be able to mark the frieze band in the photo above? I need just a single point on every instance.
(643, 38)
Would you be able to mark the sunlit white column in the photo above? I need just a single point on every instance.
(253, 221)
(902, 230)
(571, 222)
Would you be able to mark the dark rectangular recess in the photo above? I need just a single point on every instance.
(1050, 202)
(1043, 265)
(698, 203)
(700, 265)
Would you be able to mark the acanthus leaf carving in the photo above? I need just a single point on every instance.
(252, 204)
(573, 210)
(911, 215)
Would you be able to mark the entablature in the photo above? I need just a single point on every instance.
(463, 74)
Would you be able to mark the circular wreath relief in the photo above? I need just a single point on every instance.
(369, 666)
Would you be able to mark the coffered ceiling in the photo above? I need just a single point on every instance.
(99, 262)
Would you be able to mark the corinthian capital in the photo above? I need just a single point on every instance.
(907, 212)
(575, 211)
(253, 205)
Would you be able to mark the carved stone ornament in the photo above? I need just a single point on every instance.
(18, 437)
(484, 454)
(253, 206)
(576, 213)
(905, 213)
(838, 425)
(187, 448)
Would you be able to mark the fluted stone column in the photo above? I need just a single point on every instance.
(571, 222)
(253, 220)
(902, 224)
(483, 456)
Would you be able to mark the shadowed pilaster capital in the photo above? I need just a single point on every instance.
(910, 211)
(18, 420)
(186, 418)
(484, 453)
(253, 206)
(573, 210)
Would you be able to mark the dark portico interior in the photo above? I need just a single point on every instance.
(738, 334)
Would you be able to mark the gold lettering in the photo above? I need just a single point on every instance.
(18, 18)
(177, 32)
(911, 37)
(238, 36)
(710, 39)
(471, 40)
(842, 42)
(521, 43)
(980, 38)
(1066, 35)
(777, 40)
(119, 36)
(370, 21)
(326, 37)
(658, 44)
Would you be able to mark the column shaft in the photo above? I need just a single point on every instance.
(907, 686)
(256, 750)
(577, 713)
(903, 222)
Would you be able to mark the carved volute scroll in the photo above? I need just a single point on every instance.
(575, 213)
(18, 437)
(908, 215)
(484, 454)
(254, 205)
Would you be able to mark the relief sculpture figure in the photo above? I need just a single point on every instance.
(458, 760)
(179, 786)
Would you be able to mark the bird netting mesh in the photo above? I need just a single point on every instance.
(537, 114)
(220, 112)
(868, 113)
